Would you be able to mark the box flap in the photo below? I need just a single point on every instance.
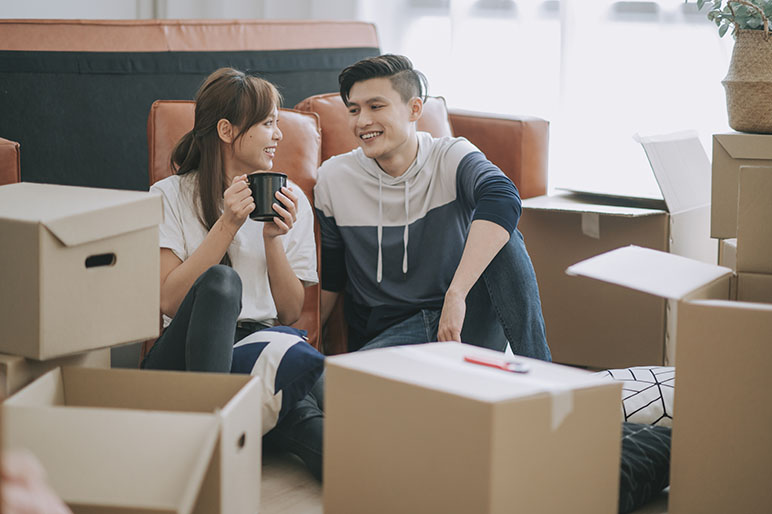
(650, 271)
(76, 215)
(745, 146)
(566, 202)
(681, 167)
(117, 460)
(441, 366)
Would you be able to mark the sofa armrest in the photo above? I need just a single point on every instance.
(10, 164)
(516, 144)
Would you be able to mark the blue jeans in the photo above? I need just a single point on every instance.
(503, 306)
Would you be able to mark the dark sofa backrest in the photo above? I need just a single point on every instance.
(76, 94)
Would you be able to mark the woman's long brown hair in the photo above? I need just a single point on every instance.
(243, 100)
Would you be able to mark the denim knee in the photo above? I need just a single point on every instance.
(221, 283)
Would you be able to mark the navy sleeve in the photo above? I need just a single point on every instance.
(333, 272)
(483, 186)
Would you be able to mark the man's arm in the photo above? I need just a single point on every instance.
(484, 241)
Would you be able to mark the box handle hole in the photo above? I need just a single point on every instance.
(242, 441)
(103, 259)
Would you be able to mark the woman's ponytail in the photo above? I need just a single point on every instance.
(186, 155)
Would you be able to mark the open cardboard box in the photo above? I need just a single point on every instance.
(418, 429)
(118, 441)
(79, 268)
(592, 324)
(722, 443)
(731, 151)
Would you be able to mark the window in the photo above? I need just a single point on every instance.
(599, 70)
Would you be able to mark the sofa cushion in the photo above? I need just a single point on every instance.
(10, 170)
(645, 464)
(647, 393)
(339, 139)
(288, 367)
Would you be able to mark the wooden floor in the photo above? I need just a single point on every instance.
(288, 488)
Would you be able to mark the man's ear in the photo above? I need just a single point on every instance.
(416, 108)
(225, 131)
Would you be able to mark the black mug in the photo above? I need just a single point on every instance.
(264, 186)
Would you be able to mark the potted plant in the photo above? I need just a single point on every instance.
(748, 83)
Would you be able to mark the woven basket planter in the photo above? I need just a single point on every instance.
(748, 83)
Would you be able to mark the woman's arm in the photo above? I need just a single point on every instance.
(177, 276)
(286, 287)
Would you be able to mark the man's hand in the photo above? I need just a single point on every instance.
(452, 317)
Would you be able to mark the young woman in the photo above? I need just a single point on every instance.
(224, 275)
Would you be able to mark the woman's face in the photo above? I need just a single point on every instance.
(255, 149)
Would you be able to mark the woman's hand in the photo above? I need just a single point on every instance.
(237, 204)
(287, 209)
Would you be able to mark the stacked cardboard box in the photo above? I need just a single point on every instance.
(79, 268)
(595, 325)
(420, 429)
(73, 264)
(721, 442)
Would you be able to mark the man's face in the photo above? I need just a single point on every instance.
(381, 121)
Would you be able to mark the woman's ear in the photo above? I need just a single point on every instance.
(416, 108)
(225, 131)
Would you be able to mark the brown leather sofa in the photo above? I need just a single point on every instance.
(316, 130)
(10, 164)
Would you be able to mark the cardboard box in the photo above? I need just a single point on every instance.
(79, 268)
(722, 445)
(16, 372)
(754, 287)
(730, 152)
(591, 324)
(118, 441)
(727, 253)
(754, 216)
(417, 429)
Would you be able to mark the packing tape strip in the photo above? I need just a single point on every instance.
(562, 397)
(591, 224)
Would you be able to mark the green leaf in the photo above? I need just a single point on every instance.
(700, 3)
(722, 30)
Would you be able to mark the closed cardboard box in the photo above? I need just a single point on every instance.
(119, 441)
(722, 445)
(730, 152)
(418, 429)
(79, 268)
(16, 372)
(754, 220)
(589, 323)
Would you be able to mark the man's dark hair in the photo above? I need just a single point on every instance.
(408, 82)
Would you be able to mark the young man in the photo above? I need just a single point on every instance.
(421, 232)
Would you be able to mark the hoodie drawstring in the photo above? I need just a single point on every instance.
(405, 233)
(379, 272)
(407, 221)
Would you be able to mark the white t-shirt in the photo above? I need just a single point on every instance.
(182, 232)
